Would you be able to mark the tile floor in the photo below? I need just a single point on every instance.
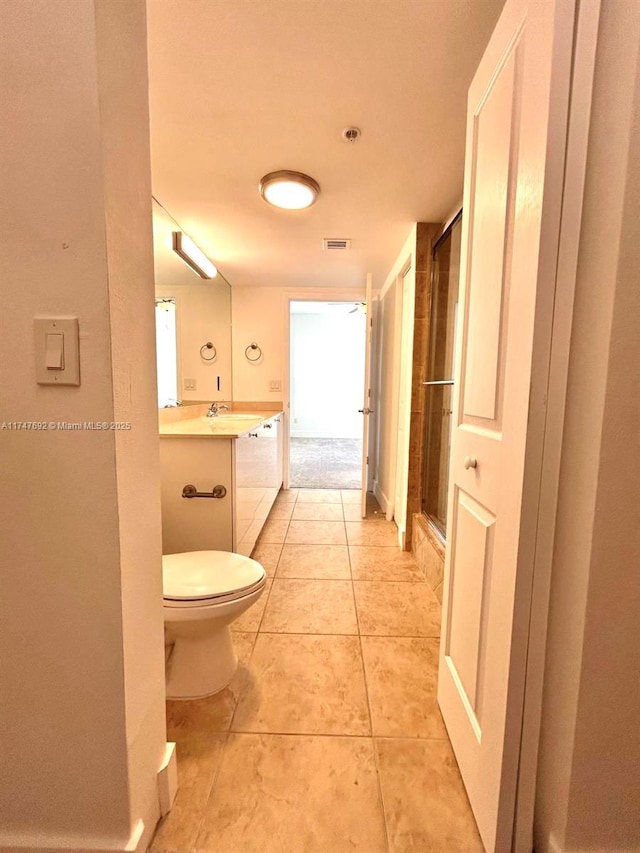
(329, 738)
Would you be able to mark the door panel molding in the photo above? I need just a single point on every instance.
(520, 95)
(473, 528)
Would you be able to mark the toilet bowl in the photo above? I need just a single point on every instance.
(203, 593)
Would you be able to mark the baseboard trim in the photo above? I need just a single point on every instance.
(385, 504)
(73, 845)
(168, 779)
(550, 844)
(136, 837)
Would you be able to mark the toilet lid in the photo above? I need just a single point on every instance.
(208, 574)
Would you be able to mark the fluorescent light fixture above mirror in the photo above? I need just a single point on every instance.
(289, 190)
(193, 256)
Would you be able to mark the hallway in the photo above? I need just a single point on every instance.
(325, 463)
(329, 737)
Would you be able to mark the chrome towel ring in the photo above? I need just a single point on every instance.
(208, 346)
(253, 347)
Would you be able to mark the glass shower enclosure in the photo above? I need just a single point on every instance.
(439, 375)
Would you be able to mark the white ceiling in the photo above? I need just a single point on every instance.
(239, 88)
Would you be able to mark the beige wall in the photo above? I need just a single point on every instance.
(258, 316)
(589, 783)
(81, 648)
(123, 98)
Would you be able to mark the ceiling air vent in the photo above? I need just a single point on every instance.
(334, 243)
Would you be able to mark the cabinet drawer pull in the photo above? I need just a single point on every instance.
(267, 426)
(190, 491)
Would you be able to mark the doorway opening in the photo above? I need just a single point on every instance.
(166, 352)
(327, 358)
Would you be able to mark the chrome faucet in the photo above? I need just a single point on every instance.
(216, 407)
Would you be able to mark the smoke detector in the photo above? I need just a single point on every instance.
(351, 134)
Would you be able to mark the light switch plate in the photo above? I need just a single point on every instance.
(275, 385)
(67, 327)
(188, 384)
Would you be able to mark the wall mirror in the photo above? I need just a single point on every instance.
(193, 324)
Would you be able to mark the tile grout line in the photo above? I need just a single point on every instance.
(366, 690)
(370, 736)
(275, 572)
(242, 688)
(334, 545)
(381, 793)
(257, 632)
(214, 779)
(265, 733)
(342, 634)
(227, 734)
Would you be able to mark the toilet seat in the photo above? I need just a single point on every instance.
(199, 578)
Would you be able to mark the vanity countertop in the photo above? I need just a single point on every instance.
(227, 425)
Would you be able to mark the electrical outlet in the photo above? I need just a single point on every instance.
(188, 384)
(275, 385)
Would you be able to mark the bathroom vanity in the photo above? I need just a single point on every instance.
(242, 452)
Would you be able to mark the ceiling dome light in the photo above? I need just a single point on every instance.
(289, 190)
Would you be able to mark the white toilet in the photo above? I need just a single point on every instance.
(204, 592)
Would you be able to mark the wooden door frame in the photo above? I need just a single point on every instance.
(580, 99)
(367, 397)
(303, 294)
(389, 500)
(405, 322)
(374, 377)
